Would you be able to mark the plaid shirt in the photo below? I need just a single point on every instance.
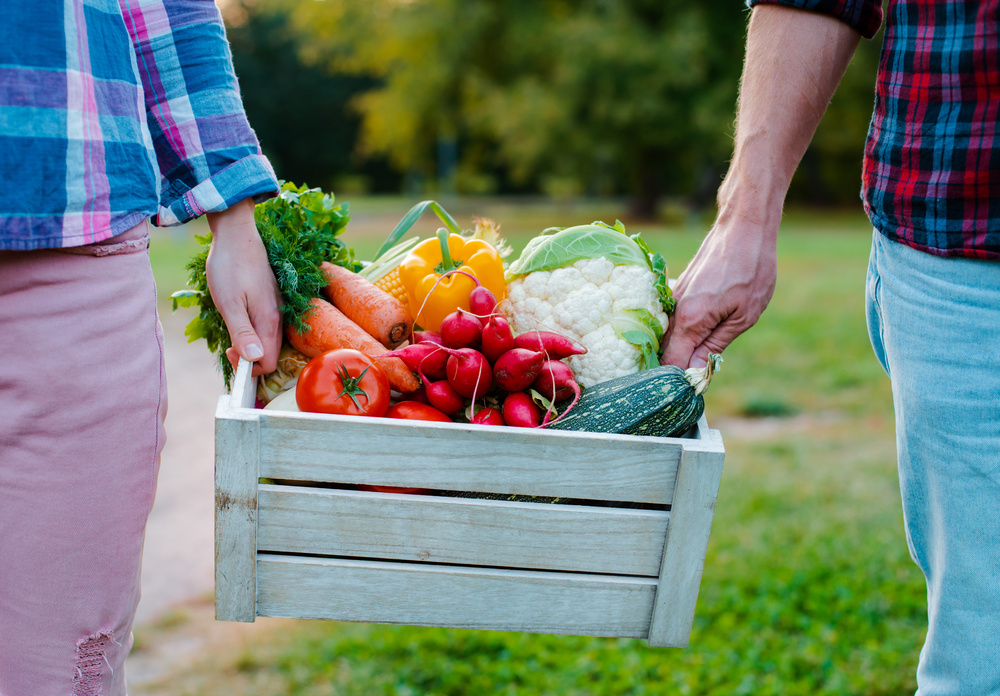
(113, 111)
(931, 174)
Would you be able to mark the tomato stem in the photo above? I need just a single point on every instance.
(352, 386)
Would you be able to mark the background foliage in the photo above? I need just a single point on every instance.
(627, 98)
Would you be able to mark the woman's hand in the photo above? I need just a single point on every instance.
(243, 287)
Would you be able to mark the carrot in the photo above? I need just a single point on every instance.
(330, 329)
(374, 310)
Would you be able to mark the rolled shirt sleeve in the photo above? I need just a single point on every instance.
(208, 156)
(863, 15)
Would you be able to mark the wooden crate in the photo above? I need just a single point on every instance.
(311, 546)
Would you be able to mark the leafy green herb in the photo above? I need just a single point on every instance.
(299, 229)
(208, 324)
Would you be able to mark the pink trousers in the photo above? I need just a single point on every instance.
(82, 404)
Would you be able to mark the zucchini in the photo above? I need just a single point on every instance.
(664, 401)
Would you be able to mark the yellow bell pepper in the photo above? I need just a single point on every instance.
(430, 297)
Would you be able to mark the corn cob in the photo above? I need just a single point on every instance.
(391, 284)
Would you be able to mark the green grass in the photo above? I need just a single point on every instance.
(808, 587)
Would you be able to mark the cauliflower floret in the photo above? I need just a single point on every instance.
(607, 357)
(580, 301)
(597, 271)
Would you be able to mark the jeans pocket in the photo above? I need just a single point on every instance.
(873, 306)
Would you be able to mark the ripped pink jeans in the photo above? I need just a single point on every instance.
(82, 403)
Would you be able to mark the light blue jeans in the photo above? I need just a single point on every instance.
(935, 326)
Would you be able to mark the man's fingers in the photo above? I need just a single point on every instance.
(680, 345)
(689, 341)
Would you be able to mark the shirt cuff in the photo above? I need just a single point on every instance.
(250, 177)
(865, 16)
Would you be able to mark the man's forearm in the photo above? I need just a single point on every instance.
(794, 62)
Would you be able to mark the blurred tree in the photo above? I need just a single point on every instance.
(600, 96)
(298, 109)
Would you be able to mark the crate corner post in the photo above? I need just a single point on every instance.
(698, 476)
(236, 478)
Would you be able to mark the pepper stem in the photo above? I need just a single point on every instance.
(447, 263)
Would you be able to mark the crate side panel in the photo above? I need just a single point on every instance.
(686, 544)
(461, 531)
(413, 594)
(469, 458)
(235, 516)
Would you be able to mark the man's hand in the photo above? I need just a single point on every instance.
(722, 292)
(243, 287)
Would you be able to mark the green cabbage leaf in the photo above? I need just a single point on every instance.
(640, 328)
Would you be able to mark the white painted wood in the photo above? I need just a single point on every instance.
(244, 386)
(427, 595)
(462, 531)
(684, 472)
(453, 456)
(686, 543)
(236, 460)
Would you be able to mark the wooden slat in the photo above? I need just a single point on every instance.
(414, 594)
(461, 531)
(451, 456)
(684, 554)
(244, 386)
(235, 514)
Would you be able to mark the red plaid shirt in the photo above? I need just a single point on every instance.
(931, 175)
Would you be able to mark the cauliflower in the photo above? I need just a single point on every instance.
(600, 288)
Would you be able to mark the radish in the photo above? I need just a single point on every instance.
(468, 372)
(554, 345)
(482, 302)
(442, 396)
(488, 416)
(556, 382)
(517, 369)
(460, 329)
(429, 357)
(497, 337)
(426, 337)
(556, 378)
(520, 410)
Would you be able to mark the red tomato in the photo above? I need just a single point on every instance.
(414, 410)
(343, 381)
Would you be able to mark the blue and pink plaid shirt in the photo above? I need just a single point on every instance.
(931, 173)
(113, 111)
